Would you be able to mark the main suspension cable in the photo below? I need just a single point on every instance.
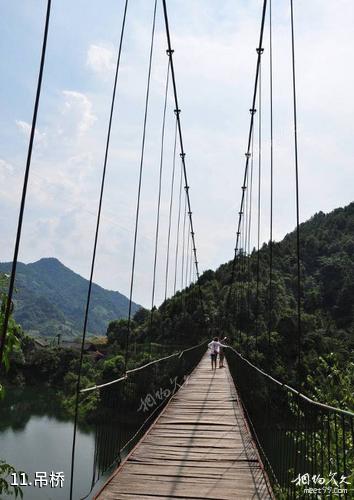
(248, 154)
(170, 53)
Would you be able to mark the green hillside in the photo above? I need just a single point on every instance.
(327, 306)
(51, 299)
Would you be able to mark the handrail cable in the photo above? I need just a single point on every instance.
(155, 410)
(139, 368)
(93, 260)
(8, 307)
(291, 389)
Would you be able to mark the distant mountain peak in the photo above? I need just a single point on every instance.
(51, 299)
(48, 260)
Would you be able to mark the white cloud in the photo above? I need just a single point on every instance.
(25, 129)
(79, 108)
(101, 59)
(215, 61)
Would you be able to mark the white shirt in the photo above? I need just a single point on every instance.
(214, 346)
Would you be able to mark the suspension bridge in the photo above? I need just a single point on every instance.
(173, 427)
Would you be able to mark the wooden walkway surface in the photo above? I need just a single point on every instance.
(199, 448)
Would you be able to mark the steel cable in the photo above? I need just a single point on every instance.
(137, 214)
(8, 306)
(93, 260)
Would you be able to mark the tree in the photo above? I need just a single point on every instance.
(117, 331)
(141, 316)
(12, 342)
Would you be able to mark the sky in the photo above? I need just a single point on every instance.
(215, 57)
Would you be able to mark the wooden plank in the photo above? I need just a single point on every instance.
(199, 448)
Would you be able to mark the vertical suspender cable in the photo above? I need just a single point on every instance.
(259, 196)
(8, 306)
(191, 264)
(271, 177)
(88, 299)
(259, 52)
(183, 253)
(170, 53)
(245, 261)
(248, 229)
(170, 212)
(178, 226)
(250, 196)
(185, 274)
(159, 194)
(297, 196)
(187, 260)
(137, 214)
(183, 240)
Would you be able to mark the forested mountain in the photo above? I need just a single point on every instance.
(51, 299)
(327, 303)
(51, 295)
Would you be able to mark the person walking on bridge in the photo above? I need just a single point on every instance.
(222, 353)
(214, 347)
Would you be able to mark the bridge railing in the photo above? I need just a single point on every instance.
(123, 409)
(307, 447)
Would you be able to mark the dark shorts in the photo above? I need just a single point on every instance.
(213, 356)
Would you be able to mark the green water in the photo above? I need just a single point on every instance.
(35, 436)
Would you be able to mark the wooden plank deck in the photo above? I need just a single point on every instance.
(199, 448)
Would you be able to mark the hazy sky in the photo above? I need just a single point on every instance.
(214, 43)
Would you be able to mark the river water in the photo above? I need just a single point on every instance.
(35, 436)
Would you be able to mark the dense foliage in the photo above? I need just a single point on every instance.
(11, 348)
(327, 327)
(327, 307)
(239, 308)
(51, 299)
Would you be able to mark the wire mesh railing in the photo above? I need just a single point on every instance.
(307, 447)
(124, 408)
